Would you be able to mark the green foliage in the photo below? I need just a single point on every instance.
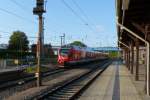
(113, 54)
(18, 41)
(33, 69)
(30, 69)
(78, 43)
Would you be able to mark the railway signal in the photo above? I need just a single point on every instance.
(39, 10)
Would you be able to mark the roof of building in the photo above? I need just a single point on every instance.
(106, 49)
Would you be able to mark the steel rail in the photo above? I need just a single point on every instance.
(72, 81)
(27, 79)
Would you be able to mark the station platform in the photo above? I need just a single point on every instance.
(114, 83)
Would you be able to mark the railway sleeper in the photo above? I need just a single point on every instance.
(53, 98)
(75, 86)
(58, 96)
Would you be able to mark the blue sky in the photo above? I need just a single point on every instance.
(99, 28)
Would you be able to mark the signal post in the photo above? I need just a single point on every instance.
(39, 10)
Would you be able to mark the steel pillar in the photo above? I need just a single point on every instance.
(126, 55)
(132, 57)
(137, 60)
(149, 73)
(129, 59)
(147, 56)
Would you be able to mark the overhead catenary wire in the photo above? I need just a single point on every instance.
(1, 31)
(84, 14)
(8, 36)
(19, 5)
(75, 13)
(24, 9)
(18, 16)
(81, 10)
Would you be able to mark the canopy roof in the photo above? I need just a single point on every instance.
(135, 15)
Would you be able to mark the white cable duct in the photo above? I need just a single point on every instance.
(148, 45)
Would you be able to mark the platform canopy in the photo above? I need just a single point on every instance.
(135, 15)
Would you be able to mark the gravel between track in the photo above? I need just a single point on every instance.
(49, 84)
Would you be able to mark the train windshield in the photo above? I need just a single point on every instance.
(64, 52)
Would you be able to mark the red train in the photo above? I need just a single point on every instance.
(75, 55)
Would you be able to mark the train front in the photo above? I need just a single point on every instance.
(63, 56)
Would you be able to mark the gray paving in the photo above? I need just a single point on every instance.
(114, 84)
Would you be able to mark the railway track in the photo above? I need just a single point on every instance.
(73, 88)
(26, 79)
(10, 88)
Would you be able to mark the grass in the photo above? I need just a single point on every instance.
(33, 69)
(113, 54)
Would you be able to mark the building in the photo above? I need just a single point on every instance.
(48, 51)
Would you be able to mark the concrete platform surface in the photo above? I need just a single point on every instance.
(113, 84)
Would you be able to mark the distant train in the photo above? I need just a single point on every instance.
(74, 55)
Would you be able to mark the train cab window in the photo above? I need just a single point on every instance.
(64, 52)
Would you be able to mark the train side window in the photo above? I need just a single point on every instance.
(70, 55)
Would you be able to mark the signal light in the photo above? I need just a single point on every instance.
(39, 9)
(39, 2)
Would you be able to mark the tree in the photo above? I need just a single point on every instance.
(78, 43)
(18, 41)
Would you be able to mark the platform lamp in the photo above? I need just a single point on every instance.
(39, 10)
(125, 7)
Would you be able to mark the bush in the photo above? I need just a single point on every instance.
(33, 69)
